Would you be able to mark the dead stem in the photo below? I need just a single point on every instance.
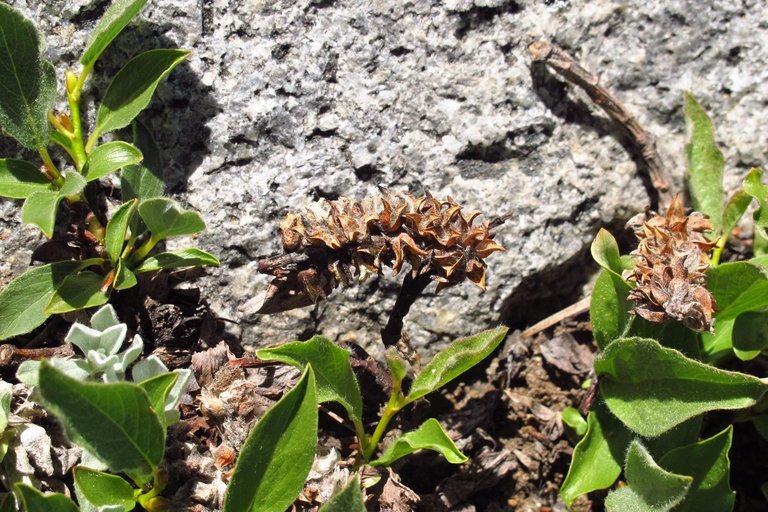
(409, 292)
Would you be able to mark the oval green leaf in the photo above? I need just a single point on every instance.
(78, 291)
(103, 489)
(132, 88)
(609, 308)
(705, 162)
(144, 180)
(27, 81)
(278, 454)
(114, 20)
(117, 228)
(651, 388)
(110, 157)
(164, 218)
(41, 206)
(605, 251)
(175, 259)
(34, 500)
(330, 364)
(349, 499)
(707, 462)
(124, 277)
(116, 422)
(750, 334)
(597, 458)
(18, 179)
(649, 487)
(753, 186)
(457, 358)
(573, 418)
(23, 301)
(429, 436)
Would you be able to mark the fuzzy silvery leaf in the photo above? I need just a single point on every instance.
(107, 342)
(151, 367)
(147, 368)
(109, 366)
(27, 373)
(104, 318)
(132, 353)
(6, 392)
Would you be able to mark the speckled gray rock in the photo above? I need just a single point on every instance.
(284, 102)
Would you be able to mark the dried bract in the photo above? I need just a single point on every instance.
(671, 260)
(344, 241)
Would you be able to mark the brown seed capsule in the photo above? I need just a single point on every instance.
(345, 240)
(670, 265)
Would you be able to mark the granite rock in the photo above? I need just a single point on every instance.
(284, 102)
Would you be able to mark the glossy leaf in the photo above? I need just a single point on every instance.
(165, 218)
(608, 308)
(157, 389)
(23, 300)
(649, 487)
(114, 20)
(145, 180)
(605, 251)
(651, 388)
(18, 179)
(103, 489)
(707, 462)
(124, 277)
(78, 291)
(183, 258)
(117, 228)
(330, 363)
(27, 81)
(734, 209)
(429, 436)
(110, 157)
(750, 334)
(753, 186)
(116, 422)
(132, 88)
(705, 163)
(598, 457)
(737, 287)
(457, 358)
(35, 501)
(349, 499)
(573, 418)
(278, 453)
(41, 206)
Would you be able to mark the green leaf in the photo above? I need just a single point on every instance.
(649, 487)
(7, 503)
(23, 301)
(278, 453)
(35, 501)
(598, 457)
(738, 287)
(457, 358)
(754, 187)
(429, 436)
(651, 388)
(27, 81)
(157, 389)
(144, 180)
(605, 251)
(118, 15)
(78, 291)
(41, 206)
(102, 489)
(608, 308)
(116, 421)
(573, 418)
(750, 334)
(330, 363)
(132, 88)
(124, 277)
(734, 210)
(183, 258)
(398, 368)
(707, 462)
(6, 393)
(110, 157)
(117, 228)
(705, 163)
(165, 218)
(349, 499)
(18, 179)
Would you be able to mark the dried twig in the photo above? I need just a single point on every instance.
(559, 60)
(572, 310)
(410, 291)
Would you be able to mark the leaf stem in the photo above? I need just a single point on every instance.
(143, 250)
(396, 402)
(73, 97)
(718, 250)
(55, 175)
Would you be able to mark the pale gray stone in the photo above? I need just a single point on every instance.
(282, 102)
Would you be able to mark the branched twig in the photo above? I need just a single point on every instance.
(559, 60)
(409, 292)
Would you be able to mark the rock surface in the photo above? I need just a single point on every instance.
(283, 102)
